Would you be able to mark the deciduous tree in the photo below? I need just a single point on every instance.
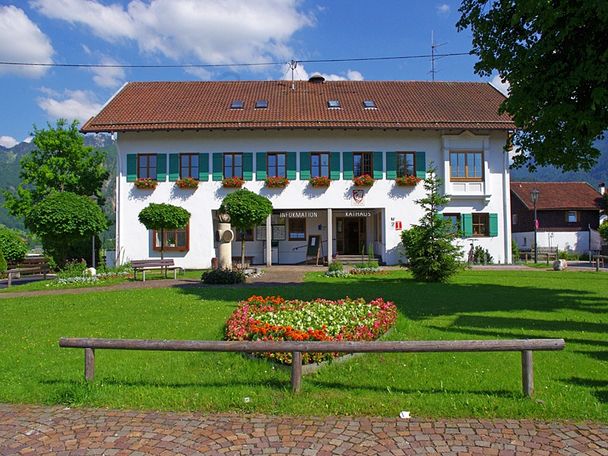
(163, 217)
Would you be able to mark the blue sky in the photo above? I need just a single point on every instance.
(152, 32)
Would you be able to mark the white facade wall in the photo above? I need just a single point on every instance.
(573, 241)
(394, 203)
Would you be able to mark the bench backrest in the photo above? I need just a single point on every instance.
(37, 261)
(547, 250)
(152, 263)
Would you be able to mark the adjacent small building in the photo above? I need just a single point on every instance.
(568, 215)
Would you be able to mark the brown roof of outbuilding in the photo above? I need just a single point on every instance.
(558, 195)
(206, 105)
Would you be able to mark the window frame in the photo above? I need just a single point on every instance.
(275, 154)
(191, 174)
(184, 248)
(485, 223)
(233, 155)
(514, 219)
(371, 163)
(148, 156)
(290, 237)
(319, 154)
(576, 217)
(466, 177)
(413, 154)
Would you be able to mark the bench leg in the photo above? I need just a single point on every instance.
(296, 372)
(10, 279)
(89, 364)
(175, 274)
(527, 373)
(143, 274)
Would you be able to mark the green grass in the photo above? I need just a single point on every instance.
(572, 384)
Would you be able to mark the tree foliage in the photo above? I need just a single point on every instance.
(555, 58)
(163, 217)
(12, 245)
(66, 223)
(432, 255)
(3, 265)
(61, 162)
(246, 210)
(603, 229)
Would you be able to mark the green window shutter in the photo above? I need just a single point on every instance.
(493, 225)
(334, 165)
(291, 165)
(248, 166)
(131, 167)
(161, 167)
(347, 160)
(378, 167)
(260, 166)
(467, 225)
(391, 165)
(218, 166)
(203, 167)
(421, 165)
(304, 165)
(173, 167)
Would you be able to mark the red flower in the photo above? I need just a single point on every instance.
(365, 180)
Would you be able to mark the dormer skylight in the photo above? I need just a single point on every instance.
(333, 104)
(237, 104)
(369, 104)
(261, 104)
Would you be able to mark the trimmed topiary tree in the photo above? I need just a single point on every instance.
(432, 255)
(163, 217)
(246, 210)
(12, 245)
(3, 265)
(603, 229)
(66, 222)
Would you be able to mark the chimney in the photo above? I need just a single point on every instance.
(602, 187)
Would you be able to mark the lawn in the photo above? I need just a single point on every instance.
(572, 384)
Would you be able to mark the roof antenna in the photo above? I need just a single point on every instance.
(293, 64)
(433, 58)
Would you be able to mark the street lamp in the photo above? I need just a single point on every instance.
(534, 197)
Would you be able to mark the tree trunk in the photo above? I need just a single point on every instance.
(243, 249)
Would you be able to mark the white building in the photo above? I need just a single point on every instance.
(340, 129)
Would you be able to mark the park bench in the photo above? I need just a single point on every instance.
(549, 253)
(236, 262)
(30, 265)
(525, 346)
(600, 261)
(148, 265)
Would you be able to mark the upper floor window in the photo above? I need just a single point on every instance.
(188, 166)
(406, 164)
(146, 166)
(276, 164)
(362, 164)
(466, 166)
(319, 164)
(233, 165)
(571, 216)
(481, 224)
(177, 240)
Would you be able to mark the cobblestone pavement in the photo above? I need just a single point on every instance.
(38, 430)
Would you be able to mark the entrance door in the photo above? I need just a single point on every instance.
(351, 235)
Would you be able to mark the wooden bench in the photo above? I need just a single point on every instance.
(600, 260)
(236, 262)
(148, 265)
(32, 264)
(547, 252)
(525, 346)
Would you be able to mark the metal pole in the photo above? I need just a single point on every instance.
(535, 235)
(93, 253)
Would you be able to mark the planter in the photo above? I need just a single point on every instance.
(364, 180)
(320, 182)
(407, 181)
(187, 183)
(277, 182)
(146, 183)
(233, 182)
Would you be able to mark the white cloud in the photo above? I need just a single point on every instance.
(108, 77)
(8, 141)
(72, 104)
(22, 41)
(214, 31)
(443, 9)
(301, 74)
(502, 87)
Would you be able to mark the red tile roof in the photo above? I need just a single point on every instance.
(206, 105)
(558, 195)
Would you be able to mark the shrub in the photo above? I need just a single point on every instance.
(3, 265)
(515, 251)
(223, 277)
(370, 264)
(603, 229)
(12, 245)
(335, 266)
(367, 270)
(482, 256)
(339, 273)
(71, 269)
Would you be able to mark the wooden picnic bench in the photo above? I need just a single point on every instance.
(148, 265)
(236, 262)
(547, 252)
(525, 346)
(32, 264)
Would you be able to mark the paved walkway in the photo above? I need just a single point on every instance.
(41, 430)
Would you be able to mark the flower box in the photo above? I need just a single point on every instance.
(277, 182)
(365, 180)
(407, 181)
(320, 181)
(274, 318)
(233, 182)
(146, 183)
(187, 183)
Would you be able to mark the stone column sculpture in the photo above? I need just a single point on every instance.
(226, 236)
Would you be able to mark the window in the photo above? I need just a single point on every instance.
(146, 166)
(571, 216)
(177, 240)
(369, 104)
(454, 220)
(333, 104)
(466, 166)
(188, 166)
(248, 235)
(319, 164)
(276, 164)
(406, 164)
(514, 219)
(362, 164)
(237, 104)
(261, 104)
(481, 225)
(233, 165)
(297, 229)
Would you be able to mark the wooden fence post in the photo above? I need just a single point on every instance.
(527, 372)
(296, 372)
(89, 364)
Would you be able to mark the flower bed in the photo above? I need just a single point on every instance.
(187, 183)
(146, 183)
(364, 180)
(407, 181)
(274, 318)
(320, 181)
(233, 182)
(277, 182)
